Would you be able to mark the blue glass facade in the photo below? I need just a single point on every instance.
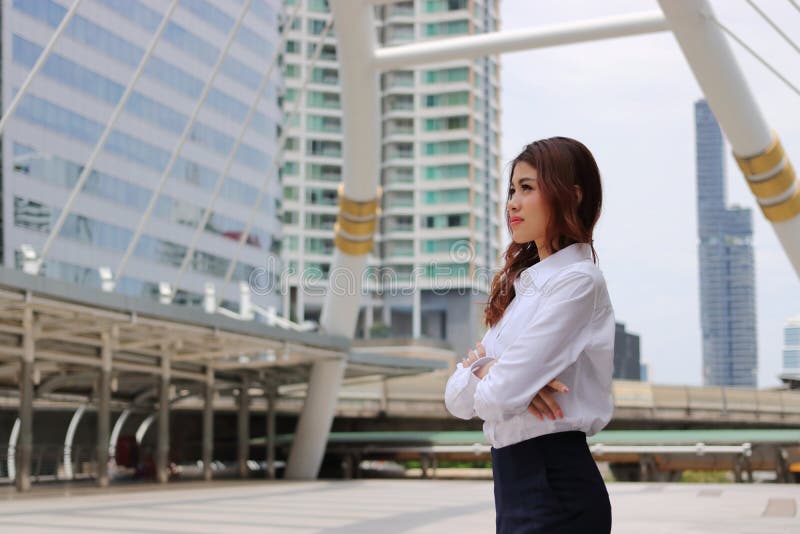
(727, 267)
(67, 107)
(791, 347)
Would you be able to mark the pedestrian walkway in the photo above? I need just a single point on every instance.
(385, 506)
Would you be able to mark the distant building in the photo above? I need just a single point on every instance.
(441, 174)
(644, 375)
(727, 272)
(627, 364)
(791, 346)
(193, 237)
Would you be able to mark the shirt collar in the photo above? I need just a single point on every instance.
(538, 274)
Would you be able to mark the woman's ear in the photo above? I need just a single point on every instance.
(578, 193)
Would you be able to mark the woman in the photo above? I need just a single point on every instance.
(550, 318)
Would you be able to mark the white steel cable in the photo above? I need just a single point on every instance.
(282, 147)
(87, 169)
(187, 130)
(756, 55)
(775, 27)
(12, 107)
(188, 257)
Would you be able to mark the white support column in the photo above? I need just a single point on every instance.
(68, 440)
(416, 314)
(24, 443)
(361, 167)
(162, 448)
(767, 169)
(112, 121)
(208, 423)
(300, 304)
(109, 340)
(243, 428)
(12, 107)
(271, 393)
(286, 294)
(369, 317)
(11, 460)
(386, 312)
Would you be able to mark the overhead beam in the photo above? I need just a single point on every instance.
(486, 44)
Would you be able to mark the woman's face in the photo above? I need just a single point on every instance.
(528, 212)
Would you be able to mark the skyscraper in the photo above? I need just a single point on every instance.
(727, 274)
(440, 175)
(791, 347)
(61, 118)
(627, 363)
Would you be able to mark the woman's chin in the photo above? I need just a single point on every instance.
(517, 237)
(520, 240)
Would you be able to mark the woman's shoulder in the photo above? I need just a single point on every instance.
(580, 274)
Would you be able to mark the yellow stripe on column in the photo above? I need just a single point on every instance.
(352, 247)
(783, 211)
(355, 209)
(357, 228)
(764, 162)
(355, 224)
(775, 184)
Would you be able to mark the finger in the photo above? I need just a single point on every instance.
(543, 407)
(551, 403)
(481, 350)
(535, 412)
(558, 385)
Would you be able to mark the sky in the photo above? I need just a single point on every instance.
(631, 101)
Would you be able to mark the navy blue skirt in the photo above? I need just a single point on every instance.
(549, 484)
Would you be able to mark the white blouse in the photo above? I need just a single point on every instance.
(559, 325)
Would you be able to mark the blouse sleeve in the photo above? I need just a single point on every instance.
(459, 393)
(552, 341)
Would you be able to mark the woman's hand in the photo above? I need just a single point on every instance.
(543, 405)
(474, 355)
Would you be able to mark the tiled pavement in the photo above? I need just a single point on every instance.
(380, 506)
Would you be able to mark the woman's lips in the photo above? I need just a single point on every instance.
(515, 220)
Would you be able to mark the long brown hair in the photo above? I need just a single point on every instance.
(561, 163)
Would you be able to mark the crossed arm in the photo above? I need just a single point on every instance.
(498, 389)
(543, 405)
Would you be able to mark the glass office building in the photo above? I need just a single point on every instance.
(727, 270)
(63, 114)
(627, 358)
(791, 346)
(440, 174)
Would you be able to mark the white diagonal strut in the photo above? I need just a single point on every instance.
(281, 147)
(714, 66)
(123, 262)
(87, 169)
(38, 65)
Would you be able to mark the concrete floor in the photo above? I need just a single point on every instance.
(383, 506)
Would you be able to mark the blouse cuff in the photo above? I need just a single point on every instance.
(477, 365)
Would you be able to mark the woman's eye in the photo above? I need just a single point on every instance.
(527, 187)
